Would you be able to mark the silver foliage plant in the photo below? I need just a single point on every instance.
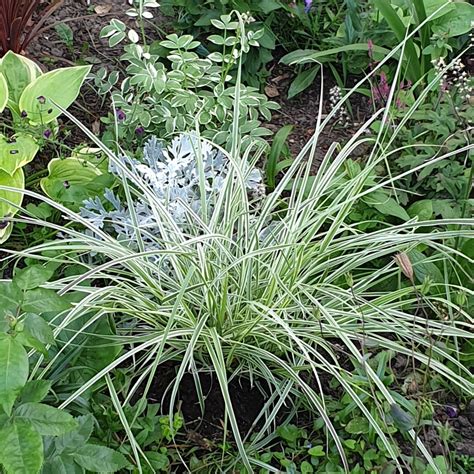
(172, 175)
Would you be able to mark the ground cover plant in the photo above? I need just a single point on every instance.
(181, 291)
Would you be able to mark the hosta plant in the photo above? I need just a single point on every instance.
(21, 20)
(34, 101)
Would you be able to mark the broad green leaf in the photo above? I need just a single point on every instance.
(458, 21)
(432, 6)
(302, 81)
(3, 92)
(13, 371)
(32, 276)
(386, 205)
(100, 459)
(47, 420)
(35, 326)
(423, 209)
(35, 391)
(61, 464)
(403, 420)
(72, 180)
(10, 298)
(16, 152)
(73, 440)
(19, 71)
(43, 300)
(289, 433)
(159, 461)
(21, 448)
(317, 451)
(358, 425)
(60, 87)
(423, 268)
(10, 201)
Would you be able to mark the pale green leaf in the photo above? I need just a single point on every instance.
(47, 420)
(60, 87)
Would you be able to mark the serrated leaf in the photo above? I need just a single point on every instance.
(70, 442)
(35, 391)
(21, 448)
(47, 420)
(13, 371)
(100, 459)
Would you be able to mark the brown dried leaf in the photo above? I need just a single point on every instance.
(102, 9)
(271, 91)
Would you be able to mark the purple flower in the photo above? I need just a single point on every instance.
(47, 134)
(140, 131)
(41, 99)
(24, 114)
(452, 412)
(121, 115)
(307, 6)
(370, 48)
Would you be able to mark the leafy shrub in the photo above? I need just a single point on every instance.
(194, 91)
(285, 23)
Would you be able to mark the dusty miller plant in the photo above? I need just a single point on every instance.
(180, 176)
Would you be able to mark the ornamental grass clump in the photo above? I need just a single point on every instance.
(21, 21)
(270, 291)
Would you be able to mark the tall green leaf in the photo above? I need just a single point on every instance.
(13, 371)
(397, 26)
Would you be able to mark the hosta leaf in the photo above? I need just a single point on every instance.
(13, 371)
(47, 420)
(21, 448)
(39, 98)
(3, 92)
(100, 459)
(16, 152)
(11, 200)
(19, 71)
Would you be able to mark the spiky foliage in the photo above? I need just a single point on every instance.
(20, 22)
